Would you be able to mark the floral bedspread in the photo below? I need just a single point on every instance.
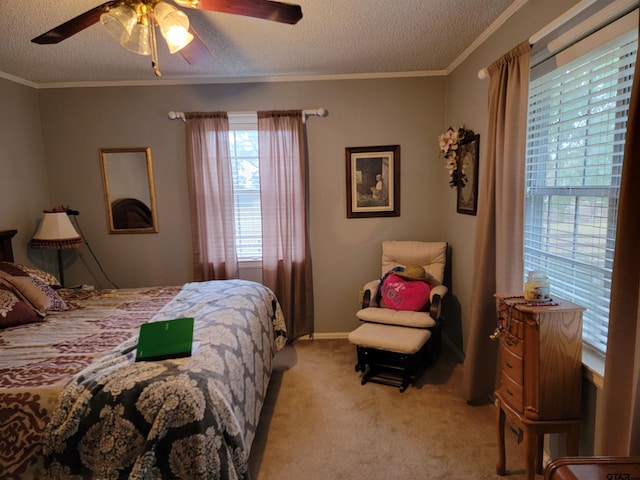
(38, 359)
(186, 418)
(239, 326)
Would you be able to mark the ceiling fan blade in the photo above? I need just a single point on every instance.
(75, 25)
(265, 9)
(196, 52)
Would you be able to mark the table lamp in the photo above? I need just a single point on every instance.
(56, 232)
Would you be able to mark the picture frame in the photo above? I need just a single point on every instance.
(373, 181)
(468, 163)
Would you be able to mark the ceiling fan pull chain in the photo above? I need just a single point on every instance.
(154, 47)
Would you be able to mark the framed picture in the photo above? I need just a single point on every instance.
(468, 157)
(373, 181)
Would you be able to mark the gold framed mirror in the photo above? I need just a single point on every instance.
(127, 178)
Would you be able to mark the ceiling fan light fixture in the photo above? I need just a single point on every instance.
(177, 39)
(138, 40)
(174, 26)
(119, 21)
(133, 22)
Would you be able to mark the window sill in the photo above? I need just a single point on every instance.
(250, 263)
(593, 367)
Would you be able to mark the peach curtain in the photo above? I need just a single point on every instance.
(620, 432)
(210, 185)
(498, 264)
(286, 258)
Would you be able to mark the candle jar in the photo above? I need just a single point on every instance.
(536, 288)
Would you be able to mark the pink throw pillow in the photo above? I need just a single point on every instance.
(401, 294)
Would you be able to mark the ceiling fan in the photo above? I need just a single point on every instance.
(133, 24)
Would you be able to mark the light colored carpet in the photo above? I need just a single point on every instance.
(319, 423)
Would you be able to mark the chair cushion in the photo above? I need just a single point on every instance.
(396, 317)
(430, 255)
(389, 337)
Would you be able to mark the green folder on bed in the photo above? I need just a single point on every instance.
(165, 339)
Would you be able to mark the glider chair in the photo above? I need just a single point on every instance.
(392, 345)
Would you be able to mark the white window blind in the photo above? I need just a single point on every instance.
(575, 141)
(243, 143)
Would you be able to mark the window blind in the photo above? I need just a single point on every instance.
(577, 121)
(243, 143)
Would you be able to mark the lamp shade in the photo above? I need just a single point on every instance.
(138, 40)
(119, 21)
(174, 26)
(56, 232)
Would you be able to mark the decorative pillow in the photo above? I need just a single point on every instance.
(41, 275)
(22, 270)
(14, 312)
(35, 292)
(400, 294)
(12, 269)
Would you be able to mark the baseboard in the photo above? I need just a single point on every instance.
(326, 336)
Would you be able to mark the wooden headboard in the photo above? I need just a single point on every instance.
(6, 250)
(131, 213)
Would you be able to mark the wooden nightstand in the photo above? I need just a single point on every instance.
(540, 374)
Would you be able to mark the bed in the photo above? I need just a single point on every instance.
(74, 403)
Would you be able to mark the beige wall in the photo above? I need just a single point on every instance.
(23, 175)
(78, 121)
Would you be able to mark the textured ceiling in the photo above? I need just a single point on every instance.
(334, 37)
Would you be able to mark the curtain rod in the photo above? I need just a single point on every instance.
(314, 112)
(550, 27)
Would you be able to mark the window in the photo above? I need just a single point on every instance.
(575, 141)
(243, 143)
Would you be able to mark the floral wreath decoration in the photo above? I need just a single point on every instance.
(449, 142)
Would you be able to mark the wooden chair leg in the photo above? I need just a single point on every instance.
(539, 451)
(530, 452)
(573, 440)
(500, 467)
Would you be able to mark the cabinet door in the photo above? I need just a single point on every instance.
(553, 365)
